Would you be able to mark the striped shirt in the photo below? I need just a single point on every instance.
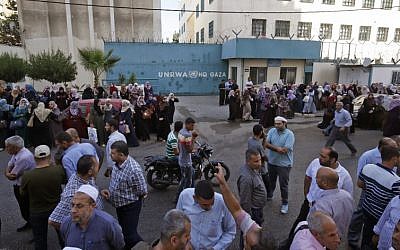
(381, 184)
(127, 183)
(172, 143)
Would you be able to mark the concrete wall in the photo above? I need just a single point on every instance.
(383, 74)
(358, 75)
(325, 72)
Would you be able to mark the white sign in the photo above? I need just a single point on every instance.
(191, 74)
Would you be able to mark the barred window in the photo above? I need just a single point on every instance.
(202, 35)
(365, 33)
(387, 4)
(325, 30)
(348, 2)
(258, 27)
(197, 37)
(304, 30)
(331, 2)
(397, 35)
(345, 32)
(307, 1)
(211, 29)
(382, 34)
(197, 11)
(282, 28)
(368, 3)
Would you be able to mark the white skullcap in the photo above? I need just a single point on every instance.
(89, 190)
(280, 119)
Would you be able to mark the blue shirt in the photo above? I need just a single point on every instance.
(102, 233)
(372, 156)
(214, 229)
(284, 139)
(343, 118)
(73, 154)
(387, 223)
(21, 162)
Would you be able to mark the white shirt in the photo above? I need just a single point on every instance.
(345, 181)
(305, 240)
(114, 136)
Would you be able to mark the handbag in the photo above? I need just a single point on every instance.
(17, 124)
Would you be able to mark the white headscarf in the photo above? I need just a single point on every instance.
(41, 112)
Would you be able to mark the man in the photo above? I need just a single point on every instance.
(75, 136)
(280, 142)
(72, 152)
(386, 225)
(341, 128)
(126, 191)
(372, 156)
(213, 227)
(318, 232)
(256, 142)
(43, 187)
(186, 140)
(380, 184)
(335, 202)
(328, 157)
(228, 87)
(86, 173)
(111, 127)
(22, 160)
(88, 227)
(396, 237)
(222, 94)
(171, 148)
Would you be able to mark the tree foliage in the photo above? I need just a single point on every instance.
(132, 78)
(12, 68)
(9, 25)
(97, 62)
(52, 66)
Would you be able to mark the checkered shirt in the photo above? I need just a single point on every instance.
(63, 208)
(127, 183)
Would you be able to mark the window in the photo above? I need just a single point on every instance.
(387, 4)
(331, 2)
(197, 37)
(197, 11)
(288, 74)
(368, 3)
(304, 30)
(345, 32)
(365, 33)
(210, 1)
(396, 35)
(348, 2)
(202, 35)
(211, 29)
(234, 73)
(396, 77)
(258, 74)
(307, 1)
(202, 5)
(282, 28)
(325, 30)
(258, 27)
(382, 34)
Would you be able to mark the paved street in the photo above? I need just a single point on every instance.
(229, 141)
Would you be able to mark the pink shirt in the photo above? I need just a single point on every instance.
(304, 240)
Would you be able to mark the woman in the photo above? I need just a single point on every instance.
(246, 99)
(309, 105)
(366, 113)
(61, 99)
(14, 98)
(231, 101)
(40, 127)
(110, 112)
(126, 126)
(171, 109)
(283, 107)
(96, 120)
(55, 124)
(163, 127)
(20, 118)
(391, 125)
(4, 121)
(139, 117)
(75, 119)
(124, 93)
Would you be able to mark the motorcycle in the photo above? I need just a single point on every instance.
(163, 172)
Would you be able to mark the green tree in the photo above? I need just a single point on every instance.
(132, 78)
(9, 25)
(52, 66)
(175, 37)
(97, 62)
(12, 68)
(121, 79)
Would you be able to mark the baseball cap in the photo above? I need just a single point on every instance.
(42, 151)
(89, 190)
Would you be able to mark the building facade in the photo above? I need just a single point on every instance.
(351, 31)
(77, 24)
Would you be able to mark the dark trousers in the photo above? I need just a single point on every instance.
(304, 210)
(344, 136)
(368, 231)
(356, 224)
(39, 222)
(187, 180)
(283, 174)
(221, 96)
(257, 215)
(23, 203)
(128, 218)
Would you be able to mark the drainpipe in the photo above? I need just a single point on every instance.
(242, 73)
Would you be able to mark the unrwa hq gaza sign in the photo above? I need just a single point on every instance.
(191, 74)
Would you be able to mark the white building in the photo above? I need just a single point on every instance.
(351, 32)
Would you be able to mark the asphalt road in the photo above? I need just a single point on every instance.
(230, 142)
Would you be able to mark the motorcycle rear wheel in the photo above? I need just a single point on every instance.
(209, 173)
(151, 176)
